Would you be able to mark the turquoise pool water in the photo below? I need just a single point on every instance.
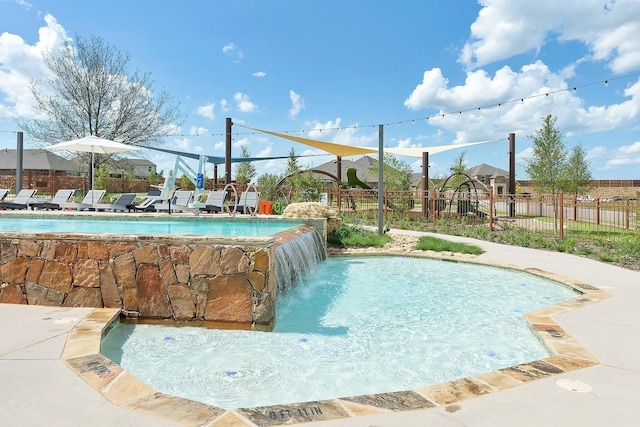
(200, 226)
(355, 325)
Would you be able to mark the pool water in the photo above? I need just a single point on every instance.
(355, 325)
(130, 225)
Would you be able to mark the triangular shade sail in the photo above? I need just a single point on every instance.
(417, 151)
(348, 150)
(330, 147)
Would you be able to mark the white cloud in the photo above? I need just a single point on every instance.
(243, 103)
(608, 29)
(20, 63)
(596, 152)
(524, 156)
(231, 51)
(326, 128)
(266, 152)
(259, 74)
(198, 130)
(224, 105)
(486, 115)
(626, 155)
(297, 104)
(207, 111)
(407, 143)
(24, 4)
(237, 143)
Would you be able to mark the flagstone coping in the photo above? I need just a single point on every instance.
(82, 354)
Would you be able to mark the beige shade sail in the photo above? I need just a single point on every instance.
(330, 147)
(349, 150)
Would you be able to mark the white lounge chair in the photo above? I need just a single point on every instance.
(148, 204)
(21, 201)
(61, 196)
(92, 197)
(248, 202)
(3, 193)
(215, 201)
(122, 203)
(179, 202)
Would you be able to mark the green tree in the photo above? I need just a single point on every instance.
(93, 91)
(268, 185)
(186, 183)
(245, 171)
(292, 163)
(397, 174)
(307, 188)
(577, 171)
(103, 179)
(457, 168)
(547, 166)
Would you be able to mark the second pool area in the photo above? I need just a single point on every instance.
(143, 225)
(356, 325)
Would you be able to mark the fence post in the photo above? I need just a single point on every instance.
(561, 203)
(491, 209)
(598, 211)
(433, 205)
(626, 214)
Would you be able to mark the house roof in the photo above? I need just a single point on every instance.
(35, 160)
(486, 170)
(362, 167)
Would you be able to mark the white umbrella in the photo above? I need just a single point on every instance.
(93, 144)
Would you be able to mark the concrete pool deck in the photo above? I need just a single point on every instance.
(39, 389)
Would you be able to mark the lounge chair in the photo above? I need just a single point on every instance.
(248, 202)
(122, 203)
(147, 205)
(215, 201)
(3, 194)
(179, 202)
(61, 196)
(92, 197)
(21, 201)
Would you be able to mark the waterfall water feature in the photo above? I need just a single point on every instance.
(297, 256)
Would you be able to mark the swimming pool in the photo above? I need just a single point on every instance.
(122, 224)
(355, 326)
(191, 269)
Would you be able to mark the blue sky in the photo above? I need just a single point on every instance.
(338, 69)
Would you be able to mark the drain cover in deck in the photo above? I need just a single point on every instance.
(573, 385)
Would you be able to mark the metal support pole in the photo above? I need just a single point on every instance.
(19, 161)
(425, 184)
(339, 176)
(227, 153)
(380, 179)
(512, 174)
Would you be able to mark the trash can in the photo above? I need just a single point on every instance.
(265, 207)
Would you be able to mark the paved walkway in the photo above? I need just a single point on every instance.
(38, 389)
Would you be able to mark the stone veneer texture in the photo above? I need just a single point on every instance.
(183, 278)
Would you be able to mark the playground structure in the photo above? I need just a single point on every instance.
(460, 190)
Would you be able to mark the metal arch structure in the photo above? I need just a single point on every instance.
(463, 206)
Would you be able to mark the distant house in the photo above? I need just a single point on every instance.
(47, 172)
(490, 177)
(141, 168)
(362, 166)
(37, 162)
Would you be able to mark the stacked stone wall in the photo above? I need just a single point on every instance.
(232, 280)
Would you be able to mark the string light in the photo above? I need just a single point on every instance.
(413, 120)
